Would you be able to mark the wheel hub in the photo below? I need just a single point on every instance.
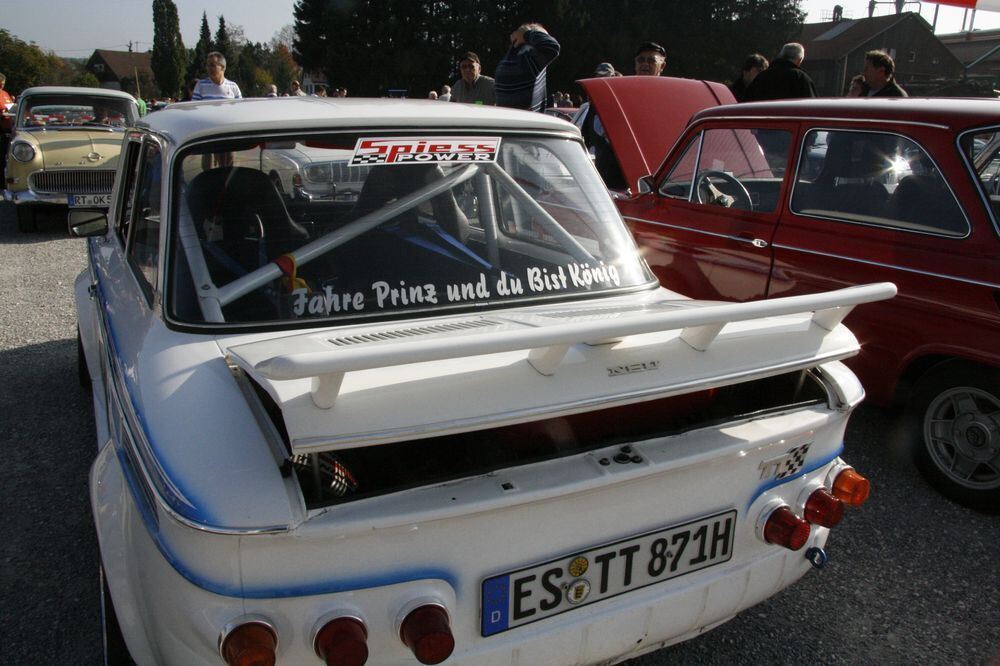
(976, 440)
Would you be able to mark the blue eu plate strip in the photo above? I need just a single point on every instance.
(496, 603)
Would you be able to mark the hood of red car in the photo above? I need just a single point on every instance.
(643, 116)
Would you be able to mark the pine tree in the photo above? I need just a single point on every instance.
(169, 57)
(196, 68)
(222, 43)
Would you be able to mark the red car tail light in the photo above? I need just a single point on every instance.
(851, 488)
(343, 641)
(784, 528)
(427, 632)
(250, 644)
(823, 509)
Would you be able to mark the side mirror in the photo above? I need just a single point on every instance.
(646, 185)
(85, 222)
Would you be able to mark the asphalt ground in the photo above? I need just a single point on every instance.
(912, 578)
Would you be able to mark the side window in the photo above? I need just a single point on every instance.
(732, 168)
(983, 150)
(126, 192)
(874, 178)
(144, 240)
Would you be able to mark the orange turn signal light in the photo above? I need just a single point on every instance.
(250, 644)
(851, 488)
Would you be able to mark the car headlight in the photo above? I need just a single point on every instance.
(22, 152)
(318, 173)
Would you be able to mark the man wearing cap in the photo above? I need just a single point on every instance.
(472, 87)
(650, 59)
(598, 143)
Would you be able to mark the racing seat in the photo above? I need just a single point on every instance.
(241, 219)
(388, 183)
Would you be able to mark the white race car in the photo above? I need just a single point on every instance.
(453, 419)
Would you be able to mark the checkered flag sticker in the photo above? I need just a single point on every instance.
(358, 160)
(793, 462)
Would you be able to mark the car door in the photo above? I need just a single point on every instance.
(882, 204)
(707, 226)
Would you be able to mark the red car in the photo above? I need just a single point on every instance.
(781, 198)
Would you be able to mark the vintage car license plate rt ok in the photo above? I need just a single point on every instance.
(540, 591)
(86, 200)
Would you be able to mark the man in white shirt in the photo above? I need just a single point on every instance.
(216, 86)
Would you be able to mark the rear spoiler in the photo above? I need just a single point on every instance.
(325, 359)
(326, 365)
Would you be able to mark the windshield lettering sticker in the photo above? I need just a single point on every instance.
(424, 150)
(387, 296)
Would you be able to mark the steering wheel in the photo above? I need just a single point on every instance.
(703, 177)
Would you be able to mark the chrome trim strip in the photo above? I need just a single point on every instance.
(954, 278)
(738, 239)
(830, 119)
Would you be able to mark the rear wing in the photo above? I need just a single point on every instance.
(529, 363)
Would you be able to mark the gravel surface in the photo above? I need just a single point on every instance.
(912, 577)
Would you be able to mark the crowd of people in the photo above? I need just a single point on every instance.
(519, 79)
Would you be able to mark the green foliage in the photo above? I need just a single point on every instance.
(24, 64)
(196, 58)
(223, 44)
(169, 57)
(85, 80)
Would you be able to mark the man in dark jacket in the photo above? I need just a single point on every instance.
(520, 75)
(879, 69)
(753, 65)
(784, 79)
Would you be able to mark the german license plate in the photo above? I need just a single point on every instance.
(581, 578)
(89, 200)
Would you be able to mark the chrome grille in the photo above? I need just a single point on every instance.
(381, 336)
(73, 181)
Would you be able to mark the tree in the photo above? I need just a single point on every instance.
(196, 68)
(169, 57)
(24, 64)
(223, 42)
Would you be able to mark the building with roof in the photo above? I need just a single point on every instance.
(835, 52)
(123, 70)
(979, 52)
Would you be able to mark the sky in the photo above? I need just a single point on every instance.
(73, 28)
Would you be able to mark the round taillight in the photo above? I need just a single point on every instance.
(851, 488)
(784, 528)
(343, 641)
(823, 509)
(427, 632)
(250, 644)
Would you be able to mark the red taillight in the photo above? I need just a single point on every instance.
(343, 641)
(250, 644)
(784, 528)
(823, 509)
(851, 488)
(427, 632)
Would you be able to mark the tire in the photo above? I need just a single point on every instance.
(26, 219)
(953, 428)
(115, 650)
(82, 372)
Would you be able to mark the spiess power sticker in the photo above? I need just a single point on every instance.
(422, 150)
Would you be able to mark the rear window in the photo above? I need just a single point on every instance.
(80, 109)
(348, 226)
(875, 178)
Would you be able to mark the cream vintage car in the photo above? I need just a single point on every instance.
(455, 419)
(64, 148)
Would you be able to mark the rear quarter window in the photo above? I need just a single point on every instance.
(875, 178)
